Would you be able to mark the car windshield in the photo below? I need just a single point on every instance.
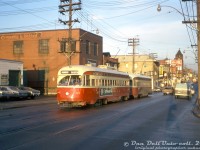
(70, 80)
(181, 85)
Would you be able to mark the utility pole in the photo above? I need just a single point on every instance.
(196, 109)
(198, 45)
(67, 45)
(133, 42)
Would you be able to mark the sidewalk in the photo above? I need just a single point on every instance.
(29, 102)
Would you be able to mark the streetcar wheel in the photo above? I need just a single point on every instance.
(125, 98)
(99, 102)
(105, 102)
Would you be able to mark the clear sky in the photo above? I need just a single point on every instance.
(161, 32)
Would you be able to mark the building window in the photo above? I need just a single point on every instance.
(95, 49)
(87, 47)
(44, 46)
(18, 47)
(63, 45)
(73, 45)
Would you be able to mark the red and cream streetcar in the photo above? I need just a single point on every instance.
(79, 85)
(140, 85)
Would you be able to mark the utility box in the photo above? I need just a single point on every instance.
(11, 72)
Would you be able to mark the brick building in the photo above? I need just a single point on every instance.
(44, 52)
(171, 70)
(109, 61)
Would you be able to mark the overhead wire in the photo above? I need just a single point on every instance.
(16, 2)
(191, 31)
(109, 31)
(111, 27)
(25, 11)
(187, 8)
(185, 20)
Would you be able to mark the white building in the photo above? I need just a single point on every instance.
(11, 72)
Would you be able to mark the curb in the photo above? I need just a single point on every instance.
(27, 103)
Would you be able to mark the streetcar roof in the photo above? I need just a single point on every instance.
(139, 76)
(82, 68)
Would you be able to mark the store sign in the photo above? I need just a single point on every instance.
(105, 91)
(4, 79)
(20, 36)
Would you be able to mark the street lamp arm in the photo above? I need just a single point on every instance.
(159, 9)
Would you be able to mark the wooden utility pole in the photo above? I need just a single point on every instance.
(67, 6)
(198, 46)
(196, 110)
(133, 42)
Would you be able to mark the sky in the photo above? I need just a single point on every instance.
(160, 32)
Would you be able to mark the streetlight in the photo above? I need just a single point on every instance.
(159, 9)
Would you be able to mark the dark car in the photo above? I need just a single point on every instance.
(168, 90)
(157, 89)
(32, 92)
(22, 93)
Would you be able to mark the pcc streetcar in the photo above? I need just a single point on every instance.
(140, 85)
(79, 85)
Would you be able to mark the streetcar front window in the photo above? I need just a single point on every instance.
(70, 80)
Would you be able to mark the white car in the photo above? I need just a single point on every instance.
(8, 93)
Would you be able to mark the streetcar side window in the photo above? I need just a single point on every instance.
(100, 83)
(96, 82)
(114, 82)
(106, 82)
(103, 83)
(93, 82)
(87, 80)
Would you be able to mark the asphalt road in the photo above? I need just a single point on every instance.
(156, 122)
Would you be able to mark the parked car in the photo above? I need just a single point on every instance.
(8, 93)
(22, 94)
(32, 92)
(157, 89)
(168, 90)
(183, 90)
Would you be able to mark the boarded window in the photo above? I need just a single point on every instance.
(95, 49)
(44, 46)
(87, 47)
(18, 47)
